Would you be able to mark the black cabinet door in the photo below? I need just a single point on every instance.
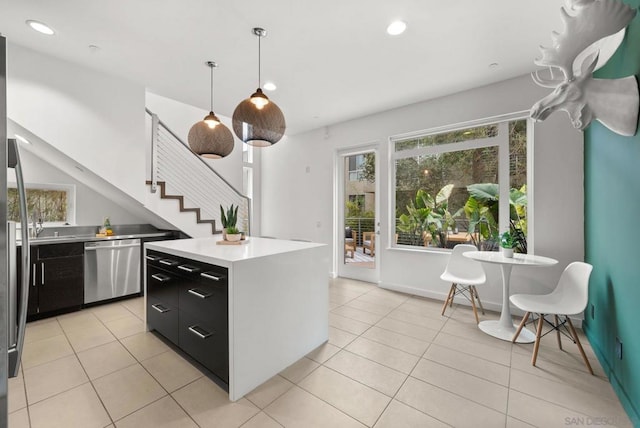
(61, 283)
(32, 304)
(163, 318)
(207, 343)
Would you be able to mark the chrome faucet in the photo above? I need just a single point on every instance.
(37, 227)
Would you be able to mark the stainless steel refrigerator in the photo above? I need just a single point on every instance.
(13, 296)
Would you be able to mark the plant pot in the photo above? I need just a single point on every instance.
(507, 252)
(233, 237)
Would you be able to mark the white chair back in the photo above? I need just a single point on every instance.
(464, 268)
(572, 292)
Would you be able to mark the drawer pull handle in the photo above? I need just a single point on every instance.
(158, 307)
(160, 278)
(199, 331)
(152, 258)
(188, 268)
(199, 293)
(168, 262)
(210, 276)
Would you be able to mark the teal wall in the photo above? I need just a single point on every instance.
(612, 237)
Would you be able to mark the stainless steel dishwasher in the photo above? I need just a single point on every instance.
(111, 269)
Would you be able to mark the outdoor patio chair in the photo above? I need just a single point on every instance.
(369, 242)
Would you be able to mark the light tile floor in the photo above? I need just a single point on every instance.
(391, 361)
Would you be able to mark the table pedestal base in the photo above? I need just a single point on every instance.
(496, 329)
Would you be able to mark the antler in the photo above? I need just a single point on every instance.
(594, 21)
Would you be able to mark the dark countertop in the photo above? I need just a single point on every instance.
(89, 238)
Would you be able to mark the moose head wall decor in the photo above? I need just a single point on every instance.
(613, 102)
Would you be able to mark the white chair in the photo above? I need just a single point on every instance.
(463, 274)
(569, 298)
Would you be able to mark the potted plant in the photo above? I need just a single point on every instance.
(229, 219)
(233, 234)
(507, 242)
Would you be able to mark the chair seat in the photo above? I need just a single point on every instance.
(544, 304)
(449, 277)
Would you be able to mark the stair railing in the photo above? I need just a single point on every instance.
(187, 174)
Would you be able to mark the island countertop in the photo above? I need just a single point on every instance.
(206, 250)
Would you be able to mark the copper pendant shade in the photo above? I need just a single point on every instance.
(210, 138)
(257, 120)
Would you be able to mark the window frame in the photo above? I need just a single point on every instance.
(501, 141)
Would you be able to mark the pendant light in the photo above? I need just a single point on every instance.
(210, 138)
(258, 121)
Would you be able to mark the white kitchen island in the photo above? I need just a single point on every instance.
(278, 297)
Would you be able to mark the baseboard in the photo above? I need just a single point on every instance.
(436, 295)
(627, 404)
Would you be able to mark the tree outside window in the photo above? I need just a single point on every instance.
(447, 186)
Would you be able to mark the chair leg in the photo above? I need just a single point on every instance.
(522, 324)
(575, 336)
(449, 297)
(558, 332)
(453, 295)
(473, 304)
(475, 291)
(536, 346)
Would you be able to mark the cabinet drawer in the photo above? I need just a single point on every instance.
(163, 285)
(205, 301)
(163, 318)
(59, 250)
(207, 343)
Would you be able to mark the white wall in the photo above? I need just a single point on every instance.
(301, 203)
(91, 207)
(94, 118)
(180, 117)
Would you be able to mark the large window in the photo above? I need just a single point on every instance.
(51, 204)
(461, 185)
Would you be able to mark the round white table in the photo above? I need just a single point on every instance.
(504, 328)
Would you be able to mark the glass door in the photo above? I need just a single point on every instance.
(357, 206)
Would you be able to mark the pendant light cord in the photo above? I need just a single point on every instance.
(211, 66)
(259, 62)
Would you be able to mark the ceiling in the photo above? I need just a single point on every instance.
(331, 60)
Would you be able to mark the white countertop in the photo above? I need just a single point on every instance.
(206, 250)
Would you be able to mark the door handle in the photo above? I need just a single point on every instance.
(160, 308)
(199, 293)
(42, 273)
(160, 277)
(33, 277)
(111, 247)
(168, 262)
(152, 258)
(199, 331)
(210, 276)
(188, 268)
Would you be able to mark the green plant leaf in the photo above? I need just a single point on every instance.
(484, 192)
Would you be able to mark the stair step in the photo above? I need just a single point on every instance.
(180, 199)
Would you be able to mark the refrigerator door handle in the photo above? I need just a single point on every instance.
(26, 250)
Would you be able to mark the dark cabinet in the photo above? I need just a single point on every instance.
(187, 302)
(56, 279)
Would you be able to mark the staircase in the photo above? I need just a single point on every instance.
(184, 177)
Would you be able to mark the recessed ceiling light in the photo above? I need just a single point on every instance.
(396, 28)
(22, 139)
(40, 27)
(270, 86)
